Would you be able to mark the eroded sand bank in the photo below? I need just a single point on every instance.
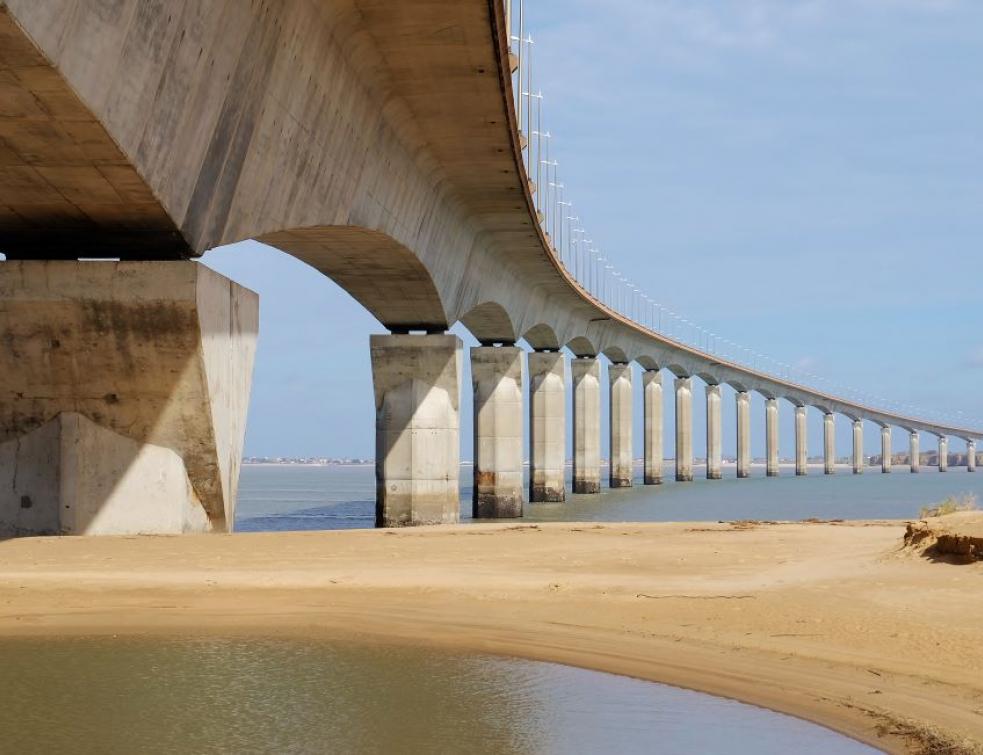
(835, 623)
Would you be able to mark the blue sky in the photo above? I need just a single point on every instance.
(803, 177)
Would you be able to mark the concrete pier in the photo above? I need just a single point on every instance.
(586, 374)
(123, 396)
(684, 429)
(829, 443)
(714, 431)
(496, 379)
(943, 453)
(417, 428)
(887, 454)
(652, 431)
(971, 456)
(801, 441)
(914, 452)
(621, 471)
(858, 446)
(547, 427)
(743, 434)
(771, 437)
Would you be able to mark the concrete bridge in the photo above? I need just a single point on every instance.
(379, 143)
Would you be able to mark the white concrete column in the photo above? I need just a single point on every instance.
(771, 437)
(858, 446)
(743, 434)
(417, 428)
(829, 443)
(124, 388)
(801, 440)
(547, 427)
(684, 429)
(971, 456)
(652, 387)
(496, 378)
(714, 430)
(943, 454)
(914, 452)
(620, 470)
(586, 373)
(887, 454)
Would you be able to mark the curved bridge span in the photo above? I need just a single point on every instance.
(376, 141)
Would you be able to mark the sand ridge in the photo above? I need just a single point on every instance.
(834, 622)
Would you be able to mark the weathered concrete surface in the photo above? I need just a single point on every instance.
(858, 447)
(120, 377)
(829, 443)
(887, 453)
(771, 437)
(714, 433)
(653, 427)
(621, 471)
(971, 456)
(547, 427)
(417, 431)
(586, 374)
(684, 429)
(743, 434)
(801, 441)
(914, 452)
(943, 454)
(496, 378)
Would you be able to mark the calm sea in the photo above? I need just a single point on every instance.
(340, 497)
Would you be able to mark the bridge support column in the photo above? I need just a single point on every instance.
(829, 443)
(621, 468)
(417, 428)
(943, 454)
(858, 446)
(652, 387)
(714, 439)
(547, 427)
(771, 437)
(123, 397)
(971, 456)
(801, 441)
(914, 452)
(586, 425)
(743, 434)
(496, 378)
(684, 429)
(887, 455)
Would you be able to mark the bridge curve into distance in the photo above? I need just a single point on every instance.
(377, 141)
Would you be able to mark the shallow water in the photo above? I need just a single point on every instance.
(340, 497)
(107, 696)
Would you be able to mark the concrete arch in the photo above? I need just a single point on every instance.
(542, 337)
(616, 354)
(678, 370)
(380, 273)
(648, 363)
(737, 385)
(490, 324)
(582, 346)
(708, 378)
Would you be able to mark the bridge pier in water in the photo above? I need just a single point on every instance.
(943, 453)
(858, 446)
(914, 452)
(801, 441)
(586, 375)
(971, 456)
(743, 434)
(620, 469)
(652, 430)
(887, 455)
(771, 437)
(496, 377)
(416, 379)
(829, 443)
(547, 427)
(684, 429)
(123, 396)
(714, 430)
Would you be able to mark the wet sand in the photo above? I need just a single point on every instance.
(833, 622)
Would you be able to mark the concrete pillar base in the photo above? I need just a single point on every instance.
(496, 377)
(714, 439)
(621, 469)
(547, 427)
(123, 397)
(801, 441)
(652, 427)
(684, 429)
(586, 375)
(743, 434)
(829, 444)
(586, 487)
(971, 456)
(416, 381)
(858, 447)
(887, 456)
(771, 437)
(914, 453)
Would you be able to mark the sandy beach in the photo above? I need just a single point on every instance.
(837, 623)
